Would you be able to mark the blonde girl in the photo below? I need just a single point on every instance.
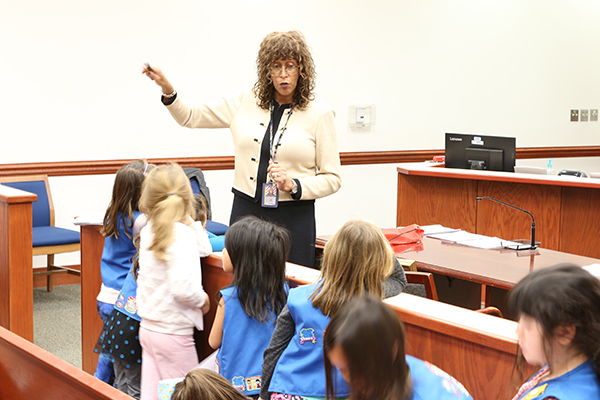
(169, 277)
(356, 260)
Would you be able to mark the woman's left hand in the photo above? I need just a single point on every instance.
(279, 175)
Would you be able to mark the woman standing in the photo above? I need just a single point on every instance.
(285, 141)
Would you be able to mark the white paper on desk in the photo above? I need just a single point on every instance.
(593, 269)
(489, 243)
(193, 313)
(94, 218)
(458, 236)
(429, 230)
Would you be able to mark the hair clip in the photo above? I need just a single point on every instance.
(170, 194)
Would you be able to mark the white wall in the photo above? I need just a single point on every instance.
(72, 88)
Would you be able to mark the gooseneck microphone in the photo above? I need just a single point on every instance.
(532, 245)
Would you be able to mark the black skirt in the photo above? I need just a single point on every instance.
(298, 217)
(121, 339)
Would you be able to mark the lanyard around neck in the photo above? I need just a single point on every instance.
(273, 150)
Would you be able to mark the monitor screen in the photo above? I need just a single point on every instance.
(470, 151)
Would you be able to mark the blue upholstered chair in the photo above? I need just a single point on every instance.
(47, 238)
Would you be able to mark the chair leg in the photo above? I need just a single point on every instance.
(50, 267)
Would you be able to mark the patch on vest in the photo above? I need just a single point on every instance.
(238, 383)
(253, 383)
(131, 305)
(120, 301)
(535, 392)
(307, 335)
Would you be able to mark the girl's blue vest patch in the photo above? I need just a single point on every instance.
(244, 341)
(300, 369)
(117, 256)
(126, 303)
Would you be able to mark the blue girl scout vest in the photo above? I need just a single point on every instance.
(430, 382)
(244, 341)
(117, 255)
(579, 383)
(300, 369)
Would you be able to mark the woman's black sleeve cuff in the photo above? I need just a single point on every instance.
(167, 101)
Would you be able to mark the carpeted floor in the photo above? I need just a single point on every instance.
(57, 321)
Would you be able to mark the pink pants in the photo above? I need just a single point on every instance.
(164, 356)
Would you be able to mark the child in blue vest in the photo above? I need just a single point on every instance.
(118, 230)
(365, 343)
(559, 331)
(356, 260)
(255, 252)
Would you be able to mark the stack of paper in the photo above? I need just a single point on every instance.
(465, 238)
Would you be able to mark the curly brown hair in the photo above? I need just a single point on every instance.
(287, 46)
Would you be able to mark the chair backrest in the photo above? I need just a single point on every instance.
(423, 278)
(43, 208)
(196, 177)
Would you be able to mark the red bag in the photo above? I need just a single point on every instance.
(406, 235)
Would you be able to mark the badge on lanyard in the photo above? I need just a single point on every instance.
(270, 195)
(270, 192)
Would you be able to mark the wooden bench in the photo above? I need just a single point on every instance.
(29, 372)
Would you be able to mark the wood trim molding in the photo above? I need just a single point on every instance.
(98, 167)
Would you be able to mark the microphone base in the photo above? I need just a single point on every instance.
(523, 244)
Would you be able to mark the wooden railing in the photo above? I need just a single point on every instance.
(29, 372)
(96, 167)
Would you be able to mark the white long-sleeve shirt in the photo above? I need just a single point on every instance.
(179, 277)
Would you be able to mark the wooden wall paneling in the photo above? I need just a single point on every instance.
(16, 261)
(542, 201)
(580, 231)
(92, 245)
(450, 202)
(94, 167)
(485, 372)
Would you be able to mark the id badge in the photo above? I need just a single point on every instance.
(270, 198)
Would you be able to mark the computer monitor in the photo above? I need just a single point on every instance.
(469, 151)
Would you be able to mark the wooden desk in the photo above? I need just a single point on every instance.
(566, 209)
(501, 268)
(16, 261)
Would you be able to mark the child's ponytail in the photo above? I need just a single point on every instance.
(166, 198)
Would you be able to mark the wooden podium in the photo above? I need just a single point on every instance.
(566, 209)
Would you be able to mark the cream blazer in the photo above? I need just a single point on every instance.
(308, 149)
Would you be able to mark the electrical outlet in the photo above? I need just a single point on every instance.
(584, 116)
(574, 115)
(594, 115)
